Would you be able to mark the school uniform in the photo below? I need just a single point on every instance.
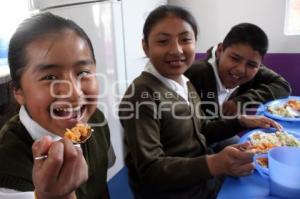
(265, 86)
(17, 159)
(166, 138)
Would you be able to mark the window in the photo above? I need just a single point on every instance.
(292, 17)
(12, 12)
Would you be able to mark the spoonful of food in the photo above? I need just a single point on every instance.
(79, 134)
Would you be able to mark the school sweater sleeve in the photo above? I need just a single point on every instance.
(15, 152)
(216, 129)
(266, 85)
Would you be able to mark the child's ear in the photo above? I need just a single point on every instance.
(219, 49)
(145, 47)
(19, 96)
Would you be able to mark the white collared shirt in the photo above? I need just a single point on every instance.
(14, 194)
(223, 93)
(180, 89)
(33, 128)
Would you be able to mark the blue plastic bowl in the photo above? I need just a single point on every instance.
(263, 171)
(284, 172)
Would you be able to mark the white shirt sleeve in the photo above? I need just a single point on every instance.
(14, 194)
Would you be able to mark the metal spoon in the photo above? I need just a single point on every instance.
(83, 139)
(76, 143)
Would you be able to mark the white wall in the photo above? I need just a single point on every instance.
(216, 17)
(134, 15)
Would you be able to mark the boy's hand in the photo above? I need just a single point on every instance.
(61, 173)
(229, 108)
(255, 121)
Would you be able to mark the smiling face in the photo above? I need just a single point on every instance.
(171, 46)
(237, 64)
(57, 80)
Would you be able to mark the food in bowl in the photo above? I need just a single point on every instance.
(261, 164)
(283, 111)
(79, 133)
(290, 109)
(263, 161)
(262, 142)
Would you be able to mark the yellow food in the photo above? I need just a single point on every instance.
(78, 133)
(290, 109)
(262, 142)
(264, 147)
(294, 104)
(281, 111)
(262, 162)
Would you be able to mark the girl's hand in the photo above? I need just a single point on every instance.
(232, 161)
(61, 173)
(254, 121)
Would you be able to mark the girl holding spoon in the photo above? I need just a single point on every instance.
(53, 67)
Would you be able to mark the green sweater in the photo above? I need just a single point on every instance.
(17, 160)
(166, 140)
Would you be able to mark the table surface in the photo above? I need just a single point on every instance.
(4, 74)
(253, 186)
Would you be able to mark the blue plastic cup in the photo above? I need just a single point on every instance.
(284, 172)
